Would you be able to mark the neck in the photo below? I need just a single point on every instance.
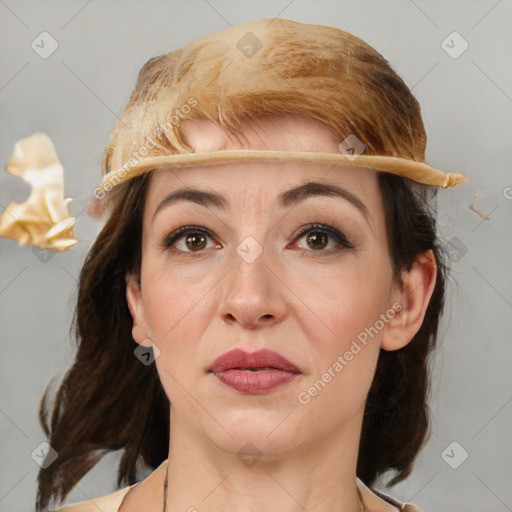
(318, 476)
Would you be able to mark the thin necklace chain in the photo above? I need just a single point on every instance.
(363, 506)
(165, 490)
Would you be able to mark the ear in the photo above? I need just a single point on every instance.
(135, 301)
(411, 301)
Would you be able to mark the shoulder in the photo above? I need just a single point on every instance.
(109, 503)
(377, 500)
(402, 507)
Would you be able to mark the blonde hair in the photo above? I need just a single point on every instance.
(316, 71)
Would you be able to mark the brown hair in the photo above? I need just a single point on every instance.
(108, 400)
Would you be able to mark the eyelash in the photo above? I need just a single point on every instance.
(336, 235)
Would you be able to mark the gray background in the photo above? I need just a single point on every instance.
(75, 95)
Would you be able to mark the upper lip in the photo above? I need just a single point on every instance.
(264, 358)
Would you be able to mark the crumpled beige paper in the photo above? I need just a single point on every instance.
(43, 220)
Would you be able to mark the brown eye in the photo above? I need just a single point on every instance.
(195, 241)
(319, 236)
(187, 239)
(317, 240)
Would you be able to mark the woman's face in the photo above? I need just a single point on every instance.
(268, 260)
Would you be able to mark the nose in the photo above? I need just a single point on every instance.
(253, 294)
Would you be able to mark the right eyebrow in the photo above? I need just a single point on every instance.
(201, 197)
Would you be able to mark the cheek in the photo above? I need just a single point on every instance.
(176, 319)
(178, 311)
(342, 326)
(340, 303)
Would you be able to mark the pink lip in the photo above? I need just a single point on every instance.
(274, 370)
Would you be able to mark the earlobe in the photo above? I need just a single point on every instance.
(414, 297)
(137, 308)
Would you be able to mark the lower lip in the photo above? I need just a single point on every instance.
(255, 382)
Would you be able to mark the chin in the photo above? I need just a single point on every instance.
(255, 430)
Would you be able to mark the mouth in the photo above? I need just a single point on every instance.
(261, 360)
(255, 369)
(254, 373)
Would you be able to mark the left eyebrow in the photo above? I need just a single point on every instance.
(313, 188)
(287, 198)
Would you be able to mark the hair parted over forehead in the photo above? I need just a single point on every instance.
(271, 66)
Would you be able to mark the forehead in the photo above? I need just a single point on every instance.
(266, 192)
(256, 183)
(274, 132)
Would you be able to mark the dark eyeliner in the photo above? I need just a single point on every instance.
(171, 238)
(337, 236)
